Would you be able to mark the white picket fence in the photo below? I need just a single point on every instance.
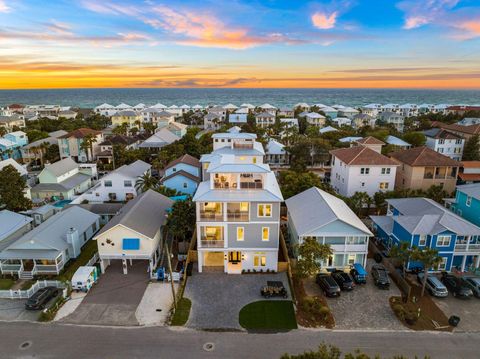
(24, 294)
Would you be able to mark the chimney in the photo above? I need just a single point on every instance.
(72, 238)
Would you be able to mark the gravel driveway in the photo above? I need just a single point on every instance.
(366, 307)
(468, 311)
(218, 297)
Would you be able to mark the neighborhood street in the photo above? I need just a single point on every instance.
(28, 340)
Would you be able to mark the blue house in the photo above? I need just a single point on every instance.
(424, 223)
(183, 174)
(467, 202)
(18, 137)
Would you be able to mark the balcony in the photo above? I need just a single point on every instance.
(462, 247)
(207, 242)
(211, 216)
(257, 184)
(237, 216)
(248, 146)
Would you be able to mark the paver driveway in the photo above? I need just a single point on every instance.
(366, 307)
(467, 309)
(218, 297)
(115, 298)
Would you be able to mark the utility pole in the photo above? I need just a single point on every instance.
(171, 274)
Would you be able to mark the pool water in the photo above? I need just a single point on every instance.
(62, 203)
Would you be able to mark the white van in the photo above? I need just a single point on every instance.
(84, 278)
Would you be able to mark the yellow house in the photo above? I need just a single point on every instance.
(135, 233)
(128, 116)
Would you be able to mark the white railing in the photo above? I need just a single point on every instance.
(93, 260)
(24, 294)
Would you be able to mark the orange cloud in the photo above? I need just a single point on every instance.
(470, 29)
(323, 20)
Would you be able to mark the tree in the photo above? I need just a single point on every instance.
(429, 258)
(52, 154)
(181, 219)
(403, 253)
(437, 193)
(358, 201)
(416, 139)
(3, 131)
(379, 201)
(87, 145)
(292, 183)
(146, 182)
(12, 187)
(35, 135)
(471, 151)
(310, 255)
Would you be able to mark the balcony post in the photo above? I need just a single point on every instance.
(468, 243)
(225, 210)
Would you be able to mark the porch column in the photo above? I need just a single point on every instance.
(125, 267)
(464, 261)
(477, 261)
(130, 262)
(151, 265)
(199, 261)
(102, 266)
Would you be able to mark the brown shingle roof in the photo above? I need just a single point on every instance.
(361, 155)
(423, 156)
(370, 141)
(186, 158)
(471, 129)
(81, 133)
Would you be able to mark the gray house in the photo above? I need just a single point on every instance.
(47, 248)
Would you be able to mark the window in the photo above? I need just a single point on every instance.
(468, 202)
(259, 261)
(254, 159)
(443, 241)
(440, 150)
(362, 184)
(441, 141)
(131, 243)
(127, 183)
(443, 264)
(185, 185)
(265, 234)
(240, 233)
(364, 171)
(383, 185)
(94, 227)
(459, 141)
(422, 241)
(107, 183)
(264, 210)
(386, 171)
(205, 166)
(263, 261)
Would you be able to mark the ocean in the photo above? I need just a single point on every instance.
(89, 98)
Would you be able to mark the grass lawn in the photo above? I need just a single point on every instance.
(182, 313)
(6, 283)
(268, 314)
(88, 251)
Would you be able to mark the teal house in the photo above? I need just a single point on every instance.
(467, 202)
(183, 174)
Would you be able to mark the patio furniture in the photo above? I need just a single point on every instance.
(274, 289)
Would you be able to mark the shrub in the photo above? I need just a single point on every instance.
(399, 311)
(411, 317)
(324, 311)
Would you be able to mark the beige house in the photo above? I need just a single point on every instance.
(135, 232)
(10, 122)
(422, 167)
(131, 118)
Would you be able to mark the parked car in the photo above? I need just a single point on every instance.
(474, 284)
(433, 285)
(455, 286)
(328, 285)
(344, 280)
(40, 298)
(380, 276)
(358, 273)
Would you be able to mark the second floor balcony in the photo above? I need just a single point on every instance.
(212, 237)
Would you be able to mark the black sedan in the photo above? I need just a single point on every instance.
(328, 285)
(344, 280)
(456, 286)
(40, 298)
(380, 276)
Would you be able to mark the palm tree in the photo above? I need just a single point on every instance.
(429, 258)
(87, 145)
(3, 131)
(146, 182)
(43, 149)
(403, 253)
(138, 123)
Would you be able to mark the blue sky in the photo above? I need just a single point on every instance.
(240, 43)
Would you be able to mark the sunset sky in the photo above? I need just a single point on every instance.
(240, 43)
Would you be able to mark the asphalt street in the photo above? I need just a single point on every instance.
(32, 340)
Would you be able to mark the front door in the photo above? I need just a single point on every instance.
(235, 257)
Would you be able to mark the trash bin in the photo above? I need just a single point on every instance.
(453, 320)
(377, 257)
(189, 269)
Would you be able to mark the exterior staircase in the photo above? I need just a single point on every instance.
(25, 274)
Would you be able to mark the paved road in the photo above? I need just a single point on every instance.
(68, 341)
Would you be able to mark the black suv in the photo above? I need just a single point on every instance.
(40, 298)
(328, 285)
(380, 276)
(344, 280)
(456, 286)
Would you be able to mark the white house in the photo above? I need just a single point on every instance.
(408, 110)
(105, 109)
(393, 118)
(135, 233)
(315, 119)
(372, 109)
(361, 169)
(236, 118)
(264, 119)
(445, 142)
(317, 214)
(268, 108)
(342, 121)
(275, 153)
(348, 112)
(118, 185)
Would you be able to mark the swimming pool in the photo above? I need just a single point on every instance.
(62, 203)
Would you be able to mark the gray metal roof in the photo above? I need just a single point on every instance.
(100, 208)
(312, 209)
(49, 239)
(135, 169)
(10, 222)
(61, 167)
(66, 185)
(144, 214)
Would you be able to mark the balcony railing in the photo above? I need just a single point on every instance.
(211, 216)
(463, 247)
(237, 216)
(212, 243)
(243, 145)
(251, 185)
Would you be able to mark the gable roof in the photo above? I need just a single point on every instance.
(471, 129)
(313, 209)
(61, 167)
(370, 141)
(15, 164)
(81, 133)
(471, 190)
(134, 169)
(10, 222)
(182, 173)
(187, 159)
(441, 133)
(144, 214)
(423, 156)
(362, 155)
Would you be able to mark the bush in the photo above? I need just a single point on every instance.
(324, 311)
(399, 311)
(411, 317)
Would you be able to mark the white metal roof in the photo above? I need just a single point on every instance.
(10, 222)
